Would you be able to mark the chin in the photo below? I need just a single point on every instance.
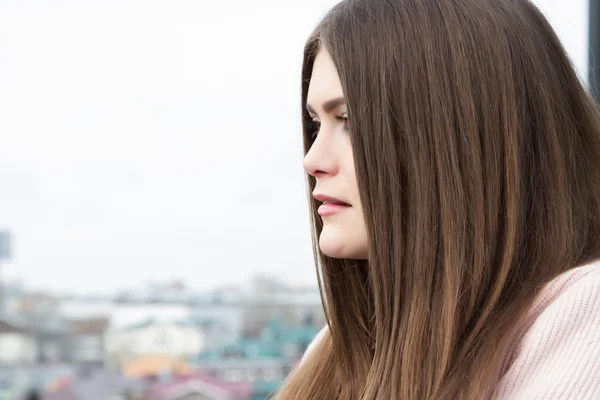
(333, 253)
(337, 245)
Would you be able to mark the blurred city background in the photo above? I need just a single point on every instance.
(154, 236)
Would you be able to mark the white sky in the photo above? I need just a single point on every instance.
(146, 140)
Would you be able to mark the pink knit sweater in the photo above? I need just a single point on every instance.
(556, 352)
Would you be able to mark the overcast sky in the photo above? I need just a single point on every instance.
(146, 140)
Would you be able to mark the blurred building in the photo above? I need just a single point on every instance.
(262, 361)
(243, 342)
(100, 386)
(17, 346)
(172, 339)
(86, 345)
(200, 387)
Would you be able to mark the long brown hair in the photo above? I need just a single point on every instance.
(477, 154)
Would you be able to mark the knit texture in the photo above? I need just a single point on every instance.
(556, 354)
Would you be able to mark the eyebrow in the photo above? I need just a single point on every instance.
(329, 105)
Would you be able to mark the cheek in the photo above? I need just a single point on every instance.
(349, 174)
(344, 235)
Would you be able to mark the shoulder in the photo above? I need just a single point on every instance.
(557, 353)
(315, 342)
(566, 298)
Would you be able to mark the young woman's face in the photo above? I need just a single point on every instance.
(331, 162)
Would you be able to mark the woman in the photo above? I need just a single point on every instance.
(454, 166)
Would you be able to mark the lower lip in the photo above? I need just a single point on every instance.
(330, 209)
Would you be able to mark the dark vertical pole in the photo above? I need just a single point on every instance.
(594, 48)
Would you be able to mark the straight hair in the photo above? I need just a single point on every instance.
(477, 155)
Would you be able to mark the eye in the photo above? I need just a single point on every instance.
(313, 128)
(344, 119)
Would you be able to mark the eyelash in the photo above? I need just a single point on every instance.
(314, 126)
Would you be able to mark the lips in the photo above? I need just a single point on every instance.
(337, 203)
(331, 205)
(330, 200)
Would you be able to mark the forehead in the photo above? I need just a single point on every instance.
(325, 81)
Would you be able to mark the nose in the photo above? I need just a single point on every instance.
(320, 159)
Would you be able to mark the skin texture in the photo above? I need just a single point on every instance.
(331, 162)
